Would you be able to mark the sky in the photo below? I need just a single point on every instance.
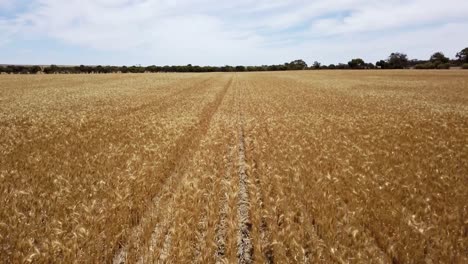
(219, 32)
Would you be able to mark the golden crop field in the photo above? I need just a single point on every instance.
(290, 167)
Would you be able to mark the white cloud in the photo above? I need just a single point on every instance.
(6, 4)
(240, 32)
(385, 15)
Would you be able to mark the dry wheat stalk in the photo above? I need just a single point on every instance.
(334, 167)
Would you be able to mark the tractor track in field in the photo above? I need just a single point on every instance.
(202, 226)
(187, 144)
(266, 244)
(118, 117)
(265, 236)
(244, 243)
(157, 231)
(222, 226)
(167, 244)
(226, 190)
(166, 101)
(245, 248)
(286, 167)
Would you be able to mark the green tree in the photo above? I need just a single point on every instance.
(382, 64)
(425, 66)
(462, 56)
(296, 65)
(357, 63)
(52, 69)
(316, 65)
(227, 68)
(342, 66)
(124, 69)
(7, 70)
(81, 69)
(35, 69)
(439, 58)
(398, 60)
(152, 68)
(240, 68)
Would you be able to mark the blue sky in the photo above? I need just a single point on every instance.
(217, 32)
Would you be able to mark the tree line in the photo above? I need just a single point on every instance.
(396, 60)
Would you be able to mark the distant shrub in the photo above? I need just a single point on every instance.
(443, 66)
(342, 66)
(425, 66)
(465, 66)
(35, 69)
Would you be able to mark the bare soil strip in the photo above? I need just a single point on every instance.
(185, 146)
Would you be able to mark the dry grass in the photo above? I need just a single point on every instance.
(328, 166)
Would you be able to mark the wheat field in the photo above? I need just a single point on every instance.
(290, 167)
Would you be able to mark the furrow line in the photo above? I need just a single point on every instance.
(164, 101)
(244, 242)
(202, 226)
(185, 146)
(221, 229)
(266, 245)
(160, 226)
(167, 246)
(265, 236)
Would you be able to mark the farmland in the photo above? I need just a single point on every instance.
(290, 167)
